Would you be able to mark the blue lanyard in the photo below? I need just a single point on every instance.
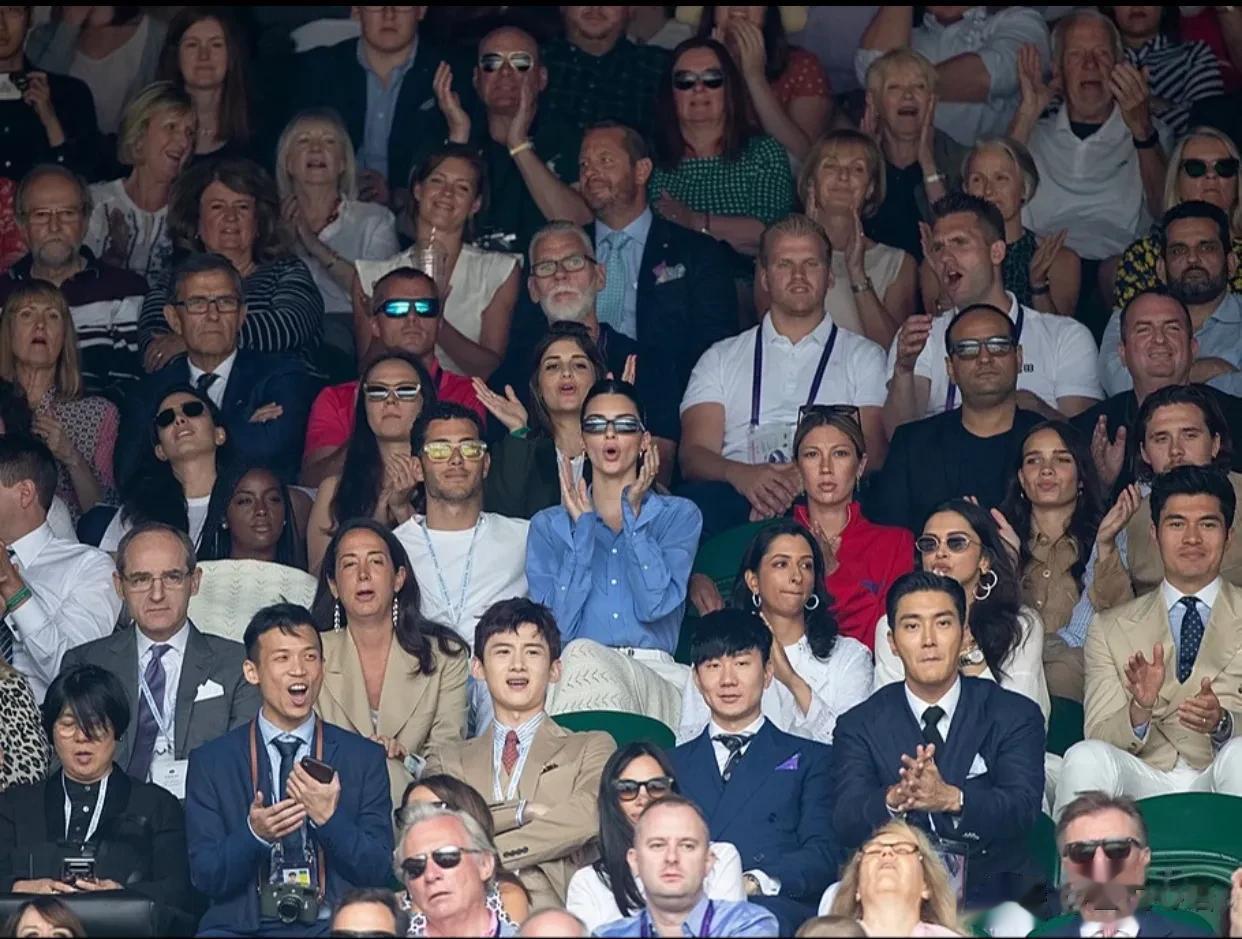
(705, 927)
(950, 400)
(756, 382)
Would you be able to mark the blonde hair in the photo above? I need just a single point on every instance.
(1013, 149)
(347, 185)
(878, 71)
(795, 225)
(831, 141)
(68, 371)
(939, 907)
(156, 97)
(1171, 198)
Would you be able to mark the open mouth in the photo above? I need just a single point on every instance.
(952, 277)
(298, 693)
(908, 110)
(517, 683)
(612, 452)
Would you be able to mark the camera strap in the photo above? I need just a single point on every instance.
(254, 788)
(95, 815)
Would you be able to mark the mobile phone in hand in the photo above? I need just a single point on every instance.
(318, 770)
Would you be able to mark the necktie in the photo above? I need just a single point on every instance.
(610, 304)
(291, 844)
(509, 755)
(6, 634)
(204, 381)
(148, 726)
(1192, 635)
(931, 730)
(734, 743)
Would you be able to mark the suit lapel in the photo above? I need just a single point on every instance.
(401, 672)
(1220, 643)
(761, 758)
(343, 680)
(195, 668)
(965, 731)
(124, 664)
(549, 739)
(476, 764)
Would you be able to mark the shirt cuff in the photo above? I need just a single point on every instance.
(520, 815)
(266, 844)
(768, 886)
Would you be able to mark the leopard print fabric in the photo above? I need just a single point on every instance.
(23, 746)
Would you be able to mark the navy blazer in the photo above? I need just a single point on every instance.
(1000, 805)
(226, 859)
(1150, 924)
(257, 378)
(776, 809)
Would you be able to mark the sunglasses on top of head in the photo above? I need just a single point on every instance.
(1195, 168)
(518, 61)
(424, 307)
(684, 79)
(189, 409)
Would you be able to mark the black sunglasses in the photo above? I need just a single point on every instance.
(1225, 169)
(657, 787)
(425, 307)
(1116, 850)
(684, 80)
(446, 859)
(188, 409)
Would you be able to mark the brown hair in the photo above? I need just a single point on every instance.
(1093, 801)
(53, 910)
(670, 145)
(235, 97)
(272, 238)
(809, 174)
(68, 371)
(818, 417)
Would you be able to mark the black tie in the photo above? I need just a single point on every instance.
(1192, 635)
(734, 743)
(931, 732)
(204, 381)
(291, 844)
(6, 634)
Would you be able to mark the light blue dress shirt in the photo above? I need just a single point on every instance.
(622, 589)
(381, 110)
(637, 230)
(728, 918)
(268, 732)
(526, 736)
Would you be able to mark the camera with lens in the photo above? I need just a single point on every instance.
(289, 903)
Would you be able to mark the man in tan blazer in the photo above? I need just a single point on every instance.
(1164, 671)
(541, 781)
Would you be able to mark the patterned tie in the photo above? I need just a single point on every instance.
(734, 743)
(148, 726)
(509, 755)
(204, 381)
(6, 633)
(291, 844)
(610, 304)
(1192, 635)
(931, 729)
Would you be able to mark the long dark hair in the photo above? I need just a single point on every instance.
(414, 632)
(1086, 517)
(775, 40)
(362, 475)
(616, 833)
(235, 97)
(821, 624)
(993, 621)
(540, 419)
(670, 145)
(217, 541)
(15, 416)
(154, 494)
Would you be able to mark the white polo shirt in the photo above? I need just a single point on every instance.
(1092, 188)
(854, 374)
(1058, 358)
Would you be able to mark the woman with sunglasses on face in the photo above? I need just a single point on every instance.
(479, 288)
(819, 674)
(256, 517)
(634, 776)
(377, 479)
(1051, 515)
(180, 474)
(613, 561)
(1003, 640)
(526, 462)
(509, 900)
(714, 173)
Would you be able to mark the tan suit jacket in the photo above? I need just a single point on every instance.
(1136, 627)
(419, 711)
(1114, 583)
(561, 773)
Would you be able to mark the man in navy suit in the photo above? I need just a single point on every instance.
(265, 398)
(257, 820)
(1104, 855)
(765, 791)
(959, 757)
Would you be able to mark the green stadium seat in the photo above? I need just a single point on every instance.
(1183, 917)
(1065, 725)
(1042, 843)
(1195, 846)
(625, 728)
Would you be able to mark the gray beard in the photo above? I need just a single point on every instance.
(564, 315)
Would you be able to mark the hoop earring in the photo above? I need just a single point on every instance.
(336, 616)
(396, 613)
(809, 606)
(983, 591)
(754, 598)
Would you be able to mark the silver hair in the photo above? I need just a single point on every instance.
(580, 926)
(1064, 24)
(347, 184)
(416, 813)
(557, 227)
(42, 171)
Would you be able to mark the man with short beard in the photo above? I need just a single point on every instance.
(1197, 265)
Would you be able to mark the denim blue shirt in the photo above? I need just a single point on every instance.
(381, 109)
(728, 918)
(621, 589)
(633, 255)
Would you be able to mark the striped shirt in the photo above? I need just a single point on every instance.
(104, 301)
(1181, 73)
(284, 309)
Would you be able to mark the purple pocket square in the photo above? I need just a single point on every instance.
(790, 765)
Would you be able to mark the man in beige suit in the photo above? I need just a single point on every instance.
(1164, 671)
(541, 781)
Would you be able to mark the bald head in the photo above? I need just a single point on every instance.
(553, 923)
(509, 39)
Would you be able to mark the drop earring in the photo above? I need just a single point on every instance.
(754, 598)
(396, 613)
(336, 616)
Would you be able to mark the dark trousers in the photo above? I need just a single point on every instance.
(723, 507)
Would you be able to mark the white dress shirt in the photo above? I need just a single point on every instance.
(837, 684)
(948, 704)
(72, 602)
(172, 661)
(222, 373)
(1128, 928)
(361, 231)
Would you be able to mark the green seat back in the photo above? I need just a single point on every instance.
(1196, 844)
(1042, 843)
(625, 728)
(1065, 725)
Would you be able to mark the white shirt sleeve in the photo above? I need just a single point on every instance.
(1076, 361)
(1009, 30)
(888, 667)
(724, 880)
(379, 239)
(589, 899)
(868, 375)
(706, 385)
(836, 686)
(1024, 672)
(694, 713)
(1113, 374)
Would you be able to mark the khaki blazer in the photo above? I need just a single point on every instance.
(417, 710)
(1136, 627)
(561, 773)
(1114, 583)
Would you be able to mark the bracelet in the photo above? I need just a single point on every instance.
(863, 287)
(1039, 290)
(17, 599)
(524, 145)
(933, 178)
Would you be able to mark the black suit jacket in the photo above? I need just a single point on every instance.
(140, 841)
(1005, 729)
(686, 297)
(23, 139)
(207, 659)
(257, 378)
(1150, 924)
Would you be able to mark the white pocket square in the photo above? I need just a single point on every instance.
(978, 767)
(208, 690)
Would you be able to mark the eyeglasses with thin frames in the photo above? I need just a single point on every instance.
(225, 304)
(143, 581)
(570, 265)
(956, 543)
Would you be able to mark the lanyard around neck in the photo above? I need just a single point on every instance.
(95, 815)
(756, 383)
(456, 615)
